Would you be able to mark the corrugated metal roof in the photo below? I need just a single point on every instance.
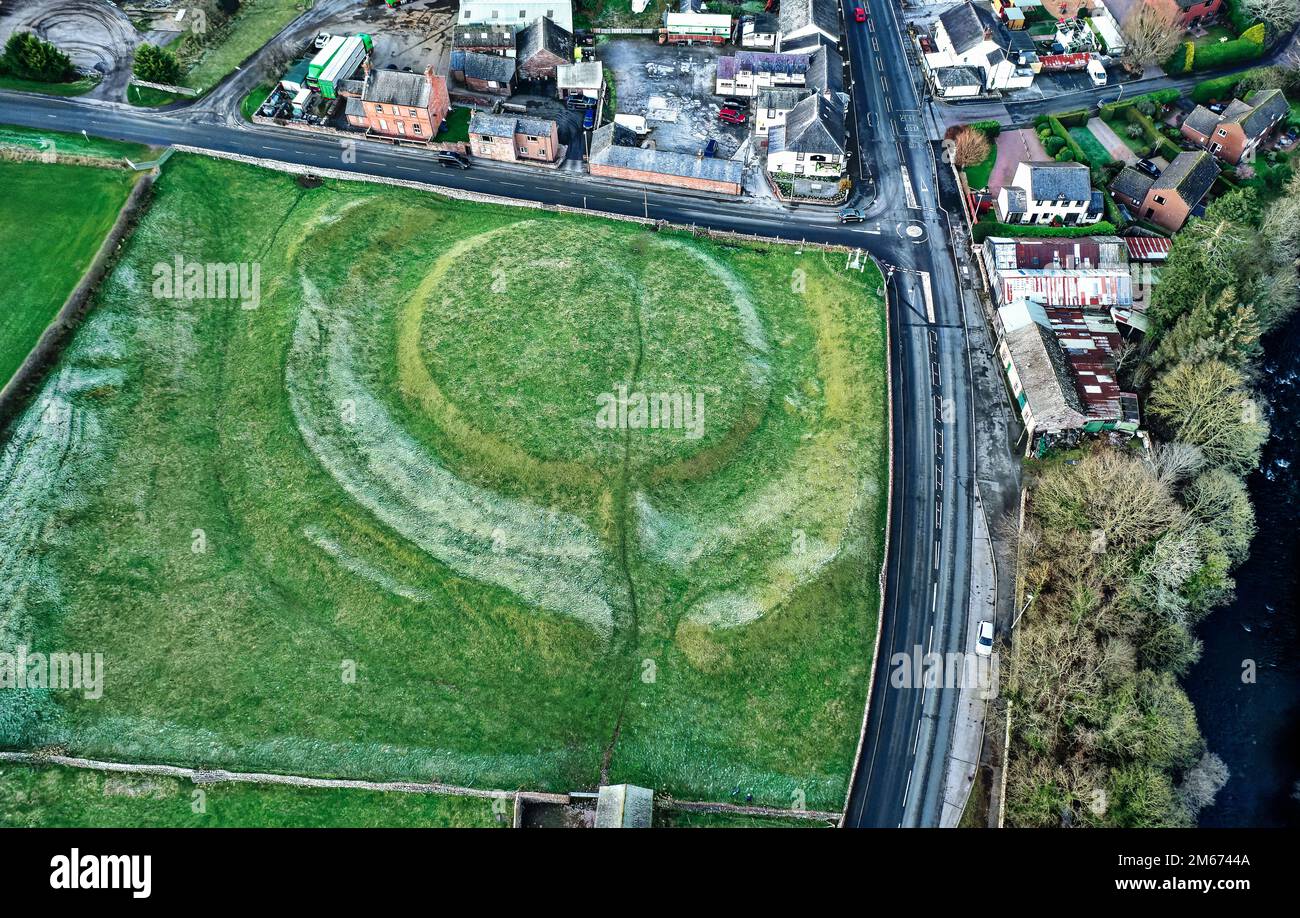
(1148, 248)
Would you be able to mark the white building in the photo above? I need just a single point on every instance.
(811, 141)
(516, 13)
(801, 18)
(970, 35)
(1046, 192)
(760, 32)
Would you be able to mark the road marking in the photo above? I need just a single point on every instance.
(934, 598)
(929, 643)
(875, 44)
(907, 189)
(928, 294)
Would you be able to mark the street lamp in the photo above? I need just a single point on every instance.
(1028, 601)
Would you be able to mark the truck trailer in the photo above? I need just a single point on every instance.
(342, 65)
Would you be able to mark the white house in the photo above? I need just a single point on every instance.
(516, 13)
(811, 142)
(1046, 192)
(800, 18)
(747, 72)
(970, 35)
(760, 31)
(771, 107)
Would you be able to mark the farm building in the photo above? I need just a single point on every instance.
(485, 39)
(515, 13)
(692, 28)
(615, 154)
(487, 73)
(1087, 271)
(585, 79)
(541, 48)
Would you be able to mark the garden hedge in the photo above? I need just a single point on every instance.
(985, 228)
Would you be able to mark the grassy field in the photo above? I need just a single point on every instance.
(249, 105)
(255, 24)
(60, 797)
(52, 222)
(72, 144)
(394, 467)
(148, 97)
(73, 88)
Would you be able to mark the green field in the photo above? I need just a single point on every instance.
(252, 27)
(73, 88)
(52, 221)
(71, 144)
(395, 466)
(54, 796)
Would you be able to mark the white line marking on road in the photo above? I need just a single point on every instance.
(929, 642)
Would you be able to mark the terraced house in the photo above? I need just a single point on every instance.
(1050, 193)
(1236, 133)
(511, 138)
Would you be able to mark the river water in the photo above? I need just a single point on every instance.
(1255, 727)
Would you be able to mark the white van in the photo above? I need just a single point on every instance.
(1096, 72)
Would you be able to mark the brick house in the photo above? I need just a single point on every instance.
(615, 154)
(541, 48)
(1238, 131)
(512, 139)
(1169, 200)
(1193, 13)
(398, 104)
(484, 73)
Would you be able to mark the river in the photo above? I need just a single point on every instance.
(1255, 728)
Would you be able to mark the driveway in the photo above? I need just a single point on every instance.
(1113, 143)
(1015, 147)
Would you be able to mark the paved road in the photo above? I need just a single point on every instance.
(900, 778)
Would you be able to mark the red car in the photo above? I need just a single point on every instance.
(731, 116)
(859, 14)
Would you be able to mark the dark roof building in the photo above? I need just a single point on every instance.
(815, 125)
(1190, 176)
(541, 48)
(800, 17)
(475, 65)
(1131, 185)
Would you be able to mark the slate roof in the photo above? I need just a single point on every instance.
(484, 35)
(965, 24)
(1059, 182)
(825, 71)
(761, 62)
(1202, 120)
(508, 125)
(477, 65)
(615, 145)
(766, 23)
(798, 14)
(1266, 107)
(959, 76)
(815, 125)
(1017, 200)
(544, 35)
(396, 87)
(780, 99)
(1190, 176)
(1132, 184)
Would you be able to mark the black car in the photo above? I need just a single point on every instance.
(736, 103)
(1150, 168)
(450, 158)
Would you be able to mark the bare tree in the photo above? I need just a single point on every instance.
(1279, 15)
(1151, 34)
(971, 147)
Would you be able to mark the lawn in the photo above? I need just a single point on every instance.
(52, 222)
(1092, 147)
(253, 101)
(456, 126)
(73, 144)
(148, 97)
(1139, 145)
(54, 796)
(255, 24)
(977, 176)
(377, 527)
(73, 88)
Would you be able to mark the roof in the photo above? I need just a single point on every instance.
(1057, 181)
(1132, 184)
(959, 76)
(780, 99)
(1266, 107)
(483, 35)
(479, 66)
(624, 806)
(544, 35)
(1190, 176)
(825, 71)
(396, 87)
(587, 75)
(353, 108)
(815, 125)
(1040, 366)
(615, 145)
(765, 23)
(1148, 248)
(1017, 200)
(797, 15)
(761, 62)
(1201, 120)
(965, 24)
(1059, 253)
(508, 125)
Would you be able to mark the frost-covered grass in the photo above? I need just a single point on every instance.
(79, 798)
(52, 221)
(395, 467)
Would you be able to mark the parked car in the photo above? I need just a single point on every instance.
(852, 215)
(711, 149)
(577, 102)
(588, 119)
(739, 104)
(451, 159)
(1150, 168)
(321, 40)
(859, 14)
(731, 116)
(984, 643)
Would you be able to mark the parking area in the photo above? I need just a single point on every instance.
(672, 87)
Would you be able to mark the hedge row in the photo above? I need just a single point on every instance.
(1153, 134)
(984, 228)
(1227, 53)
(1220, 88)
(990, 129)
(1159, 97)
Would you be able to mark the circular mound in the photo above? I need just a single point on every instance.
(573, 349)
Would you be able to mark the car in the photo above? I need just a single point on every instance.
(740, 105)
(859, 14)
(984, 643)
(711, 149)
(321, 40)
(1150, 168)
(450, 158)
(731, 116)
(577, 102)
(852, 215)
(588, 119)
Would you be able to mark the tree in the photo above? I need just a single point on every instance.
(29, 58)
(1151, 34)
(156, 65)
(1206, 405)
(972, 147)
(1219, 500)
(1279, 15)
(1222, 329)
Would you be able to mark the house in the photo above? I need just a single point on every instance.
(1060, 364)
(811, 141)
(747, 72)
(1170, 199)
(514, 138)
(484, 39)
(956, 82)
(825, 73)
(1050, 193)
(486, 73)
(1238, 131)
(399, 104)
(760, 31)
(1083, 271)
(800, 18)
(586, 80)
(615, 154)
(1193, 13)
(971, 35)
(515, 13)
(771, 109)
(542, 47)
(624, 806)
